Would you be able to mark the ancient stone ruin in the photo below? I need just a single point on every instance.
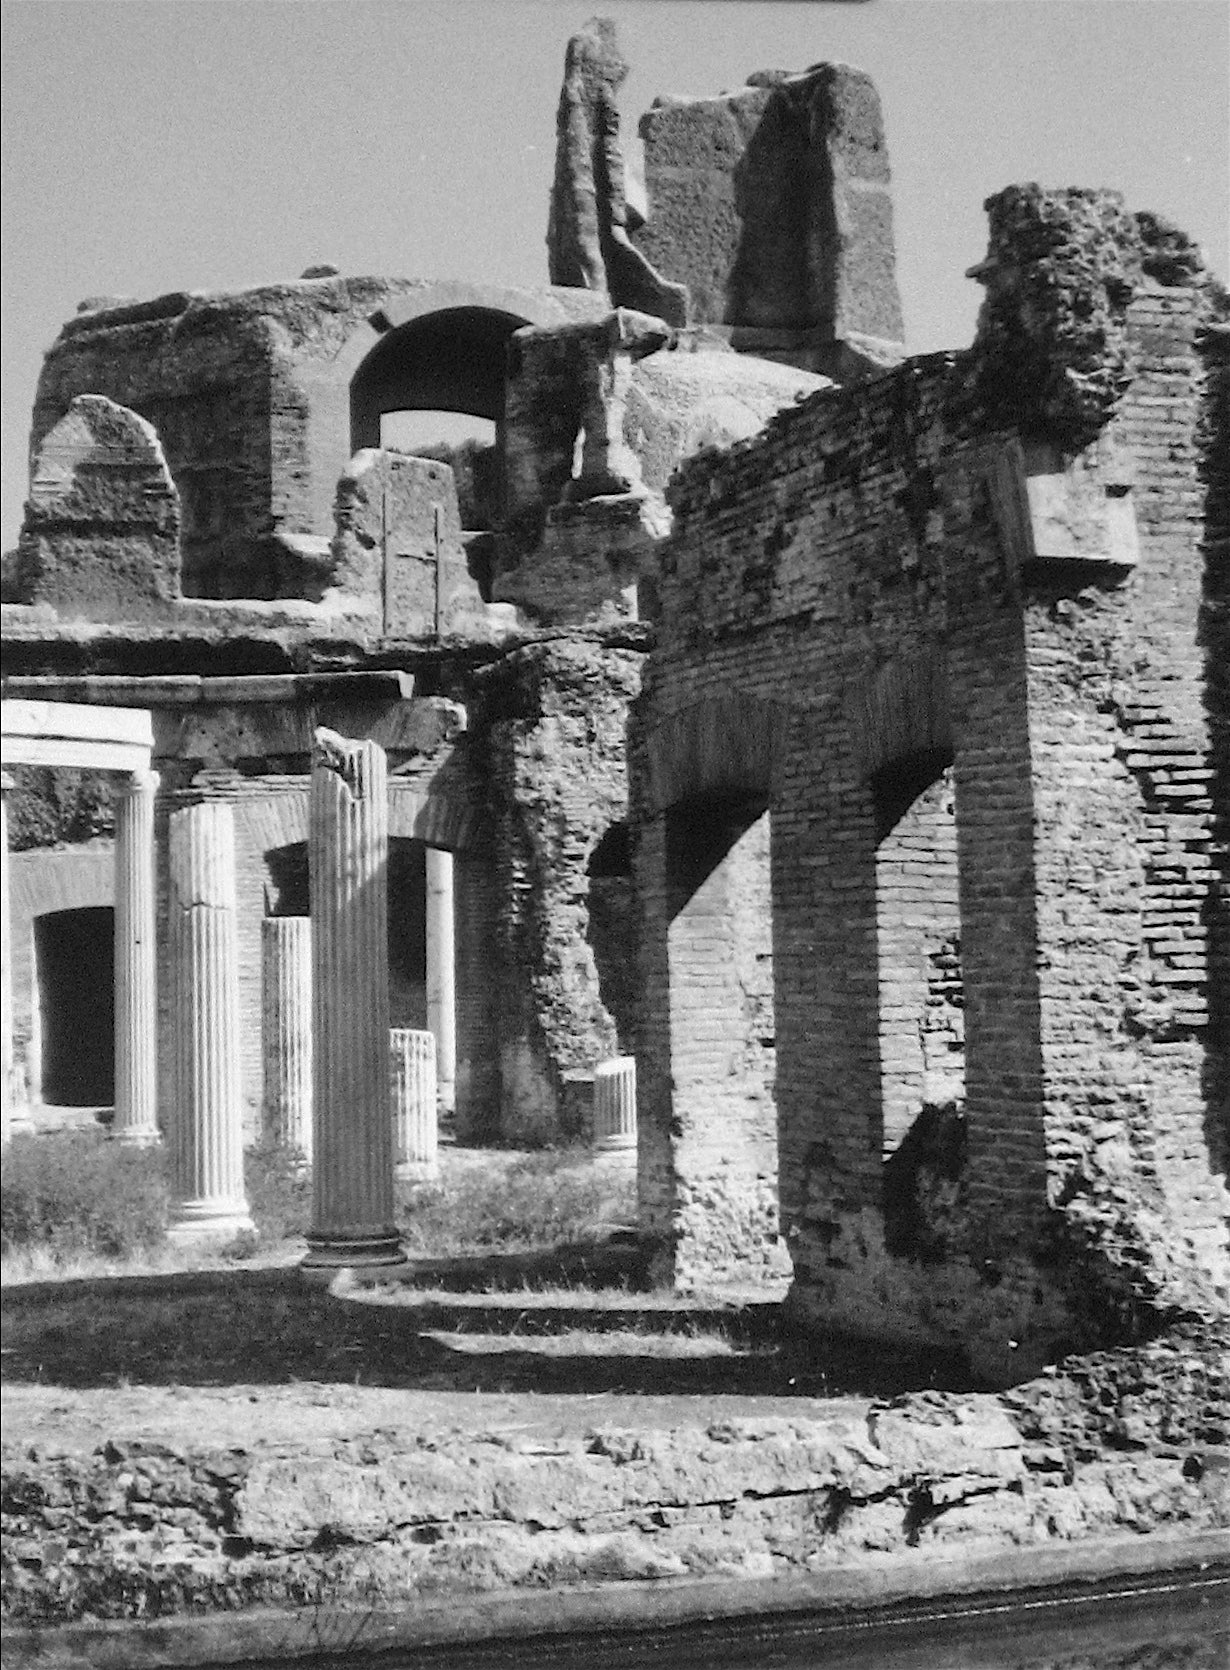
(842, 736)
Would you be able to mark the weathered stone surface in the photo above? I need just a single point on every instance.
(588, 240)
(1052, 351)
(101, 536)
(398, 544)
(772, 204)
(143, 1530)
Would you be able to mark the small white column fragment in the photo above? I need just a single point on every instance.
(207, 1119)
(136, 980)
(352, 1125)
(615, 1106)
(412, 1064)
(286, 985)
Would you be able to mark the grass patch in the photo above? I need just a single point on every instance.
(78, 1203)
(76, 1196)
(534, 1203)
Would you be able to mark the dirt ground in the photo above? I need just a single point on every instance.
(248, 1355)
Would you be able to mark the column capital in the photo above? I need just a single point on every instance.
(144, 780)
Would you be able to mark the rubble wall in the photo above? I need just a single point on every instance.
(553, 719)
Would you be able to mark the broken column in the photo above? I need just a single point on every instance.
(207, 1124)
(286, 985)
(441, 976)
(136, 991)
(352, 1128)
(615, 1105)
(413, 1086)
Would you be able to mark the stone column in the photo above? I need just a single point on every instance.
(136, 989)
(415, 1125)
(286, 986)
(441, 976)
(352, 1125)
(7, 1088)
(207, 1122)
(615, 1106)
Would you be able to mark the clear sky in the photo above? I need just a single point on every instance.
(153, 145)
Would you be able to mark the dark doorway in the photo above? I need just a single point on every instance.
(75, 958)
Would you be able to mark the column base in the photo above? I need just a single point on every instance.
(356, 1251)
(417, 1171)
(620, 1143)
(212, 1221)
(137, 1137)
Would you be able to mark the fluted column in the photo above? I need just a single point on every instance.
(352, 1127)
(207, 1120)
(136, 991)
(615, 1105)
(441, 977)
(7, 1087)
(286, 985)
(412, 1063)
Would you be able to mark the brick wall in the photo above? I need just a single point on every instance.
(868, 567)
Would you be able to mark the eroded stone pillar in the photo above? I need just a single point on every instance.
(207, 1119)
(7, 1088)
(286, 986)
(615, 1106)
(352, 1126)
(136, 981)
(441, 973)
(412, 1064)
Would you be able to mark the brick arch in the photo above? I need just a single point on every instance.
(730, 745)
(901, 712)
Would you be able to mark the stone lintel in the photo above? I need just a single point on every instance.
(71, 734)
(182, 690)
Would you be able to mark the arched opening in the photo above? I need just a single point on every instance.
(921, 1001)
(407, 933)
(454, 360)
(612, 930)
(74, 954)
(723, 1045)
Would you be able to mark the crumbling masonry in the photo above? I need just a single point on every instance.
(845, 735)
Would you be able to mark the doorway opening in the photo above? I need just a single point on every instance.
(74, 952)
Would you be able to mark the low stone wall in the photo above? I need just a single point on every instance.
(1124, 1443)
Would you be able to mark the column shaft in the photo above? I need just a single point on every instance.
(352, 1175)
(207, 1150)
(441, 975)
(286, 986)
(415, 1126)
(136, 990)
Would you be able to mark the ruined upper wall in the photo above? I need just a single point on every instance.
(772, 204)
(767, 209)
(250, 393)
